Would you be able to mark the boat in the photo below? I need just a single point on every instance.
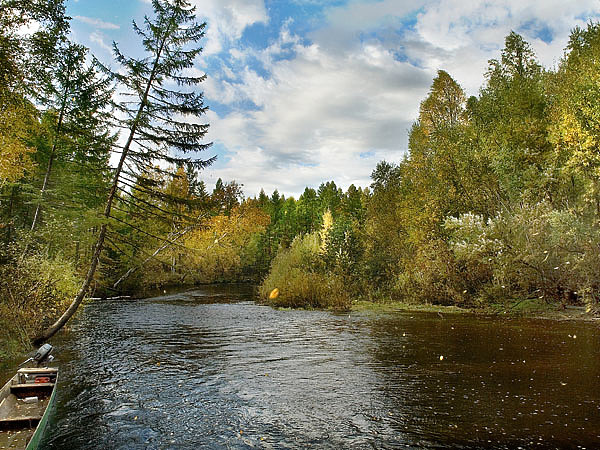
(25, 403)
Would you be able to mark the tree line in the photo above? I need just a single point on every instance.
(496, 203)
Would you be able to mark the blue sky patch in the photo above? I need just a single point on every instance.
(323, 87)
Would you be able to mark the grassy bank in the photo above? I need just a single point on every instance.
(528, 308)
(394, 306)
(34, 291)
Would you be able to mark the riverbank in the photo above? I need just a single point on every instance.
(533, 309)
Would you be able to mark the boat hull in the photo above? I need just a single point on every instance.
(35, 440)
(26, 402)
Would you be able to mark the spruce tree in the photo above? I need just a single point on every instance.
(76, 99)
(158, 106)
(26, 59)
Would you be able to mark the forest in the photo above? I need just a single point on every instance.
(496, 202)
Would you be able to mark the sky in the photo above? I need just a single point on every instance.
(306, 91)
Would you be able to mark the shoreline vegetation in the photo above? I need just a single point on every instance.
(497, 198)
(515, 310)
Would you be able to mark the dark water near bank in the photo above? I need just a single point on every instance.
(210, 369)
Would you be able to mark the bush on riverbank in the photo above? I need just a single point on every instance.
(34, 291)
(434, 276)
(532, 251)
(298, 273)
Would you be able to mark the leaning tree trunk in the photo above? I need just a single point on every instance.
(53, 329)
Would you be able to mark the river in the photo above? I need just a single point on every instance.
(209, 368)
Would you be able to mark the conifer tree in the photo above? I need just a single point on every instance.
(157, 112)
(26, 59)
(78, 98)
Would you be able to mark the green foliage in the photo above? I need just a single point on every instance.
(26, 57)
(226, 196)
(298, 274)
(33, 292)
(308, 211)
(343, 253)
(440, 167)
(330, 198)
(77, 141)
(386, 235)
(433, 276)
(533, 251)
(511, 122)
(575, 128)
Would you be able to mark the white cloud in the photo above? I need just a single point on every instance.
(347, 96)
(462, 35)
(227, 20)
(97, 23)
(319, 112)
(98, 38)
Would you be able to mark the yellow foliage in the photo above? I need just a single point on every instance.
(295, 272)
(327, 224)
(179, 186)
(217, 249)
(16, 122)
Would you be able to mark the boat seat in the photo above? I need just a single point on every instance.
(31, 389)
(38, 370)
(15, 423)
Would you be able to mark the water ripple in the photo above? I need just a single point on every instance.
(209, 368)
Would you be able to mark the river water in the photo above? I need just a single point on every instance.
(209, 368)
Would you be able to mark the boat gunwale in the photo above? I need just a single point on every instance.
(39, 428)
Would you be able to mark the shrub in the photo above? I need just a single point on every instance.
(528, 252)
(34, 291)
(433, 275)
(298, 273)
